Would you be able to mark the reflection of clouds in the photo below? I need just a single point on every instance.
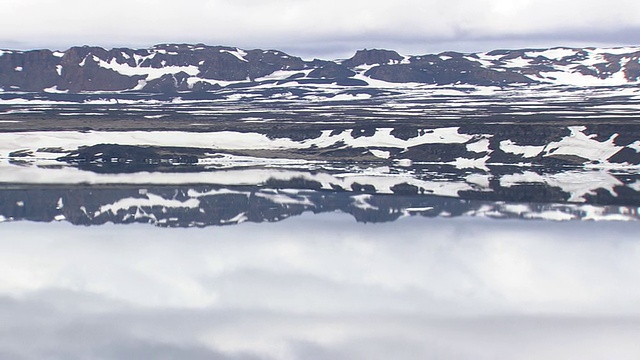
(322, 287)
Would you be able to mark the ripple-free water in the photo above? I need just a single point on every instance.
(322, 286)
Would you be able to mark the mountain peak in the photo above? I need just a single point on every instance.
(373, 57)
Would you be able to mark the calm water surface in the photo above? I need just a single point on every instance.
(322, 287)
(399, 226)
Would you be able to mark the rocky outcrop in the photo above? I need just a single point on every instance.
(373, 57)
(331, 71)
(29, 70)
(435, 70)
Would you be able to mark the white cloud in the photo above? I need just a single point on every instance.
(317, 26)
(419, 286)
(499, 266)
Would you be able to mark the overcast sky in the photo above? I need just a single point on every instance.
(326, 28)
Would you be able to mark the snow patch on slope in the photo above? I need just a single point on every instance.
(239, 54)
(577, 183)
(553, 54)
(527, 151)
(149, 72)
(582, 145)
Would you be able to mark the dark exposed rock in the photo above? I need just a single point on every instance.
(331, 71)
(622, 135)
(168, 83)
(405, 133)
(632, 69)
(400, 74)
(626, 155)
(363, 132)
(351, 82)
(523, 192)
(364, 188)
(262, 63)
(450, 71)
(534, 135)
(439, 152)
(606, 69)
(371, 57)
(295, 183)
(28, 71)
(129, 154)
(405, 189)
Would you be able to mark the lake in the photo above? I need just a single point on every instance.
(446, 225)
(322, 286)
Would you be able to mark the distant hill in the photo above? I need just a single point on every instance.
(170, 68)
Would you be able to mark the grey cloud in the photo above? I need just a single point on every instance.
(492, 264)
(416, 26)
(128, 349)
(442, 288)
(251, 334)
(413, 289)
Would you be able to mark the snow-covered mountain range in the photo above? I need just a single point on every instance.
(170, 68)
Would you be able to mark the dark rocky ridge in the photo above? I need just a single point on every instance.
(171, 68)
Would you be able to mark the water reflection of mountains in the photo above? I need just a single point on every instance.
(200, 206)
(376, 170)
